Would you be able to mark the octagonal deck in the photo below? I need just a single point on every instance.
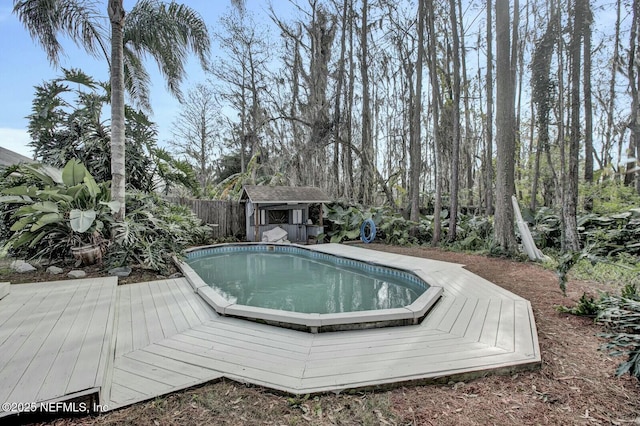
(167, 338)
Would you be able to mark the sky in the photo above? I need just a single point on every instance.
(23, 65)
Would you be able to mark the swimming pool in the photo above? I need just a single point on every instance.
(290, 286)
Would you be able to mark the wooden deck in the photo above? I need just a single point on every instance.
(166, 338)
(55, 340)
(148, 313)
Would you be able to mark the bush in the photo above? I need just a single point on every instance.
(621, 314)
(153, 231)
(55, 210)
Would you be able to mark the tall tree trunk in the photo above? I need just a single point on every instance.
(435, 105)
(633, 71)
(608, 140)
(541, 95)
(337, 117)
(505, 122)
(415, 142)
(488, 160)
(455, 134)
(349, 96)
(367, 181)
(569, 210)
(588, 105)
(116, 17)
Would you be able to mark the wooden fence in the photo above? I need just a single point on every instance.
(227, 217)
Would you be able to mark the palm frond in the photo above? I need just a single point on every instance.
(46, 20)
(168, 33)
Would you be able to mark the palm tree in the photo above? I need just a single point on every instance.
(165, 31)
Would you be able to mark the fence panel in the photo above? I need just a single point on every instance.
(226, 217)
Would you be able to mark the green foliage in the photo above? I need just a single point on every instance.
(610, 197)
(231, 187)
(622, 268)
(53, 210)
(153, 232)
(587, 306)
(622, 316)
(67, 123)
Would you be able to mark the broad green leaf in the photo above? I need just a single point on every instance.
(114, 206)
(9, 199)
(21, 223)
(74, 191)
(353, 234)
(92, 186)
(23, 239)
(73, 173)
(46, 219)
(46, 207)
(16, 190)
(54, 195)
(336, 238)
(81, 220)
(37, 239)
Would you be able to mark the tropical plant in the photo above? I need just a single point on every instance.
(587, 306)
(66, 123)
(167, 32)
(57, 210)
(621, 314)
(153, 232)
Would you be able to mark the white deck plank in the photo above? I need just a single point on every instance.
(139, 332)
(477, 321)
(246, 348)
(449, 319)
(40, 367)
(124, 340)
(232, 366)
(168, 377)
(300, 345)
(20, 348)
(138, 383)
(20, 307)
(182, 301)
(168, 289)
(506, 329)
(398, 367)
(202, 309)
(164, 315)
(121, 395)
(92, 357)
(172, 365)
(152, 321)
(489, 332)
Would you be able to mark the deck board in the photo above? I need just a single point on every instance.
(57, 342)
(136, 342)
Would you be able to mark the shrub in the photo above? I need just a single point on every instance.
(55, 210)
(153, 231)
(621, 314)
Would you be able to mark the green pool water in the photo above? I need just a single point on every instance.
(299, 283)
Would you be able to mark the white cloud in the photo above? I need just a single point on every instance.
(16, 140)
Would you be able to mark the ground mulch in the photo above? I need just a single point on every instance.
(575, 386)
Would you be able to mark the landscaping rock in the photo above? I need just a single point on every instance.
(122, 271)
(54, 270)
(176, 275)
(77, 273)
(21, 267)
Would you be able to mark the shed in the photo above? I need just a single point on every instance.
(287, 207)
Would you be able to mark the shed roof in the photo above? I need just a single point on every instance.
(10, 158)
(283, 194)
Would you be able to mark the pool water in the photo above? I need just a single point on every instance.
(304, 284)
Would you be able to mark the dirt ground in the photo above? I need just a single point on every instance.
(575, 386)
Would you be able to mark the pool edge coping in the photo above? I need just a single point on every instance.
(314, 322)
